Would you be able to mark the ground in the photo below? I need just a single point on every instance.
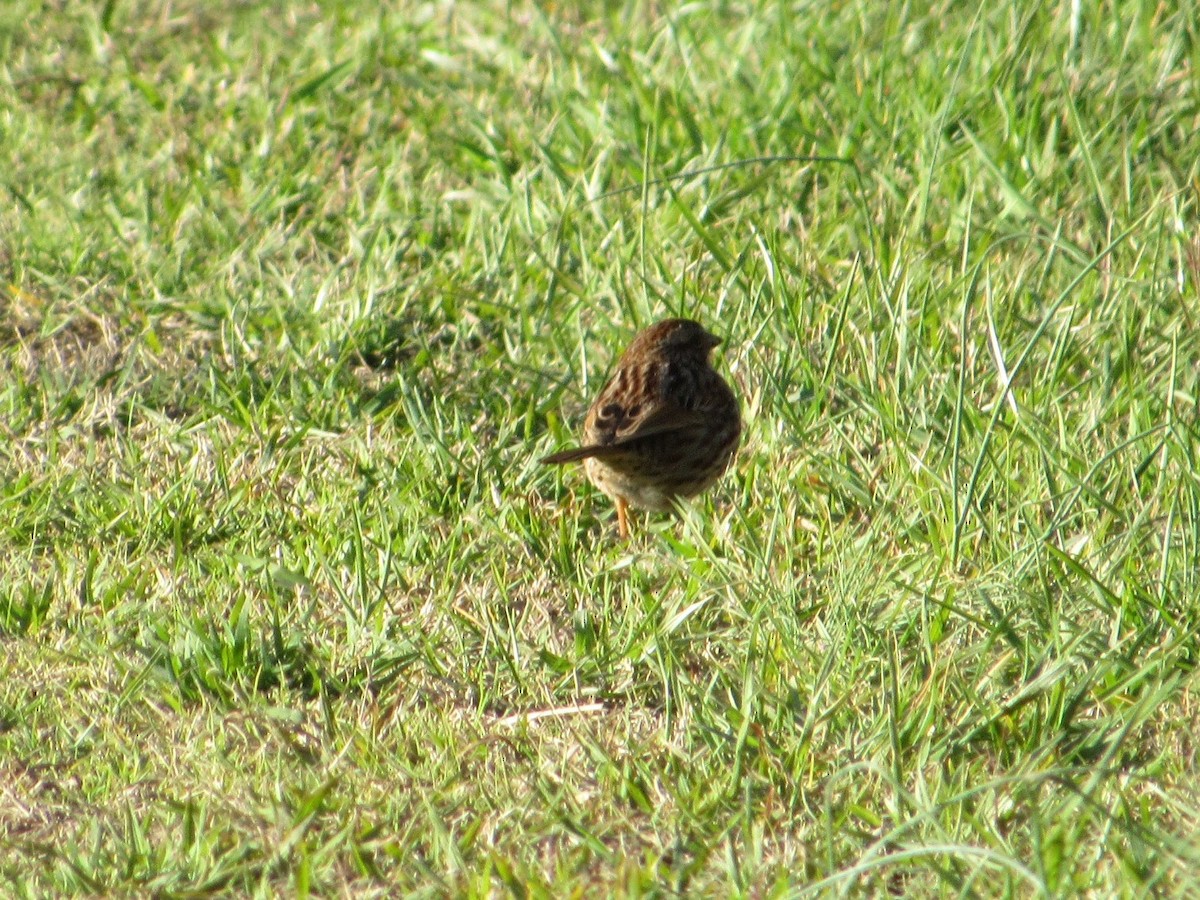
(294, 296)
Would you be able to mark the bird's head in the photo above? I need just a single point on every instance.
(678, 337)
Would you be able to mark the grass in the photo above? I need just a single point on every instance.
(293, 297)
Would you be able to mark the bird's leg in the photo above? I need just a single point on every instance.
(622, 518)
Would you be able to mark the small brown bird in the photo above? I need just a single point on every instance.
(665, 426)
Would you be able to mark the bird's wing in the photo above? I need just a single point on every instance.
(619, 416)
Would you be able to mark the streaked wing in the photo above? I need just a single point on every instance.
(641, 401)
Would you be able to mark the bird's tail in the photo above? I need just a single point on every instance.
(575, 454)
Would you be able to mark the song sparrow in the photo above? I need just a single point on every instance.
(665, 426)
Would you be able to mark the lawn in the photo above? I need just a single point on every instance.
(293, 297)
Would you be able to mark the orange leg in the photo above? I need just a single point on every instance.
(622, 518)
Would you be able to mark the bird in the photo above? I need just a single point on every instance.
(666, 425)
